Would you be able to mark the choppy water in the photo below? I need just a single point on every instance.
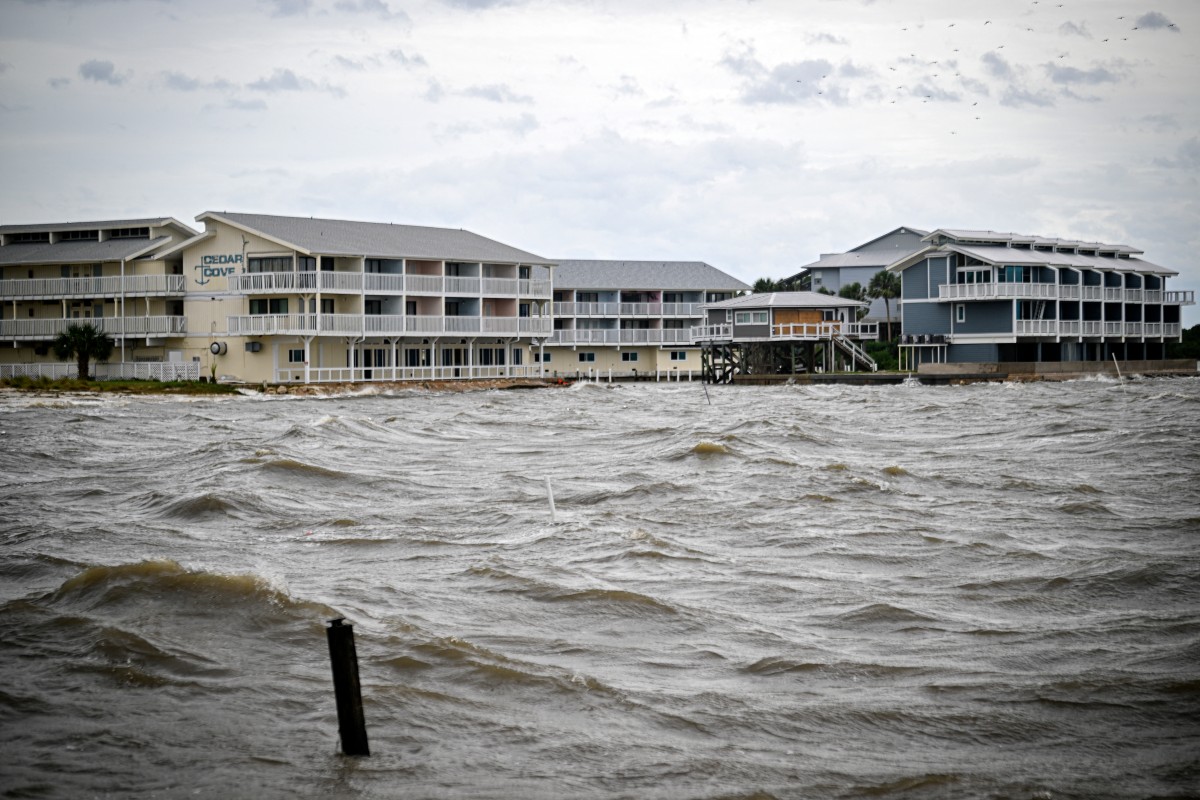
(911, 592)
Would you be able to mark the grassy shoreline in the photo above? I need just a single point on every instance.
(75, 386)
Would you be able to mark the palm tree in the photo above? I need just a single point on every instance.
(765, 285)
(885, 285)
(855, 291)
(83, 343)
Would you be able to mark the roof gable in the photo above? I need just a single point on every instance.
(333, 237)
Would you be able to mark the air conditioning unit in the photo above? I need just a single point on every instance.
(218, 348)
(253, 347)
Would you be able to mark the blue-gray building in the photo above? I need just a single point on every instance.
(858, 265)
(982, 296)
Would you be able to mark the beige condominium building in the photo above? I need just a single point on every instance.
(112, 274)
(305, 300)
(622, 318)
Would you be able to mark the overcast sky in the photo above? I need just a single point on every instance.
(754, 135)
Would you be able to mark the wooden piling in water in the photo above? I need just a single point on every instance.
(352, 727)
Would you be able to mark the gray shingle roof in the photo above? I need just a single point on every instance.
(335, 237)
(644, 276)
(787, 300)
(76, 252)
(100, 225)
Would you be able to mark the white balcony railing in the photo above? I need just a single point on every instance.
(108, 286)
(117, 327)
(1055, 291)
(809, 331)
(327, 281)
(383, 325)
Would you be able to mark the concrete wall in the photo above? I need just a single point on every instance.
(1061, 368)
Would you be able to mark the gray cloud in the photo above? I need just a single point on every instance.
(1187, 156)
(348, 63)
(1015, 97)
(284, 80)
(476, 5)
(792, 82)
(408, 61)
(1070, 75)
(926, 92)
(825, 38)
(289, 8)
(186, 83)
(58, 83)
(1071, 29)
(4, 67)
(1162, 122)
(629, 86)
(521, 126)
(375, 7)
(101, 72)
(246, 105)
(996, 66)
(434, 92)
(1155, 20)
(497, 93)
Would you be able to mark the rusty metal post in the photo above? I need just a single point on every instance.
(352, 727)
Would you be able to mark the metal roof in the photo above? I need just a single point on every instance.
(644, 276)
(787, 300)
(77, 252)
(1000, 255)
(335, 237)
(960, 235)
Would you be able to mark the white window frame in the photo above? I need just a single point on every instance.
(960, 313)
(296, 356)
(679, 355)
(587, 357)
(628, 355)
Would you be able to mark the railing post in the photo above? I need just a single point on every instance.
(352, 727)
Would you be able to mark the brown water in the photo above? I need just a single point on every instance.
(982, 591)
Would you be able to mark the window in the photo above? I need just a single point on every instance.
(296, 356)
(79, 236)
(587, 358)
(679, 355)
(628, 356)
(39, 237)
(541, 358)
(306, 264)
(276, 305)
(326, 305)
(327, 263)
(129, 233)
(750, 317)
(269, 264)
(373, 307)
(960, 312)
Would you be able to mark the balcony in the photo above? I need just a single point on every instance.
(383, 325)
(1060, 291)
(809, 331)
(328, 282)
(690, 310)
(1095, 328)
(84, 288)
(117, 327)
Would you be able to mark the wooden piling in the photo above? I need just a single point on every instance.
(352, 727)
